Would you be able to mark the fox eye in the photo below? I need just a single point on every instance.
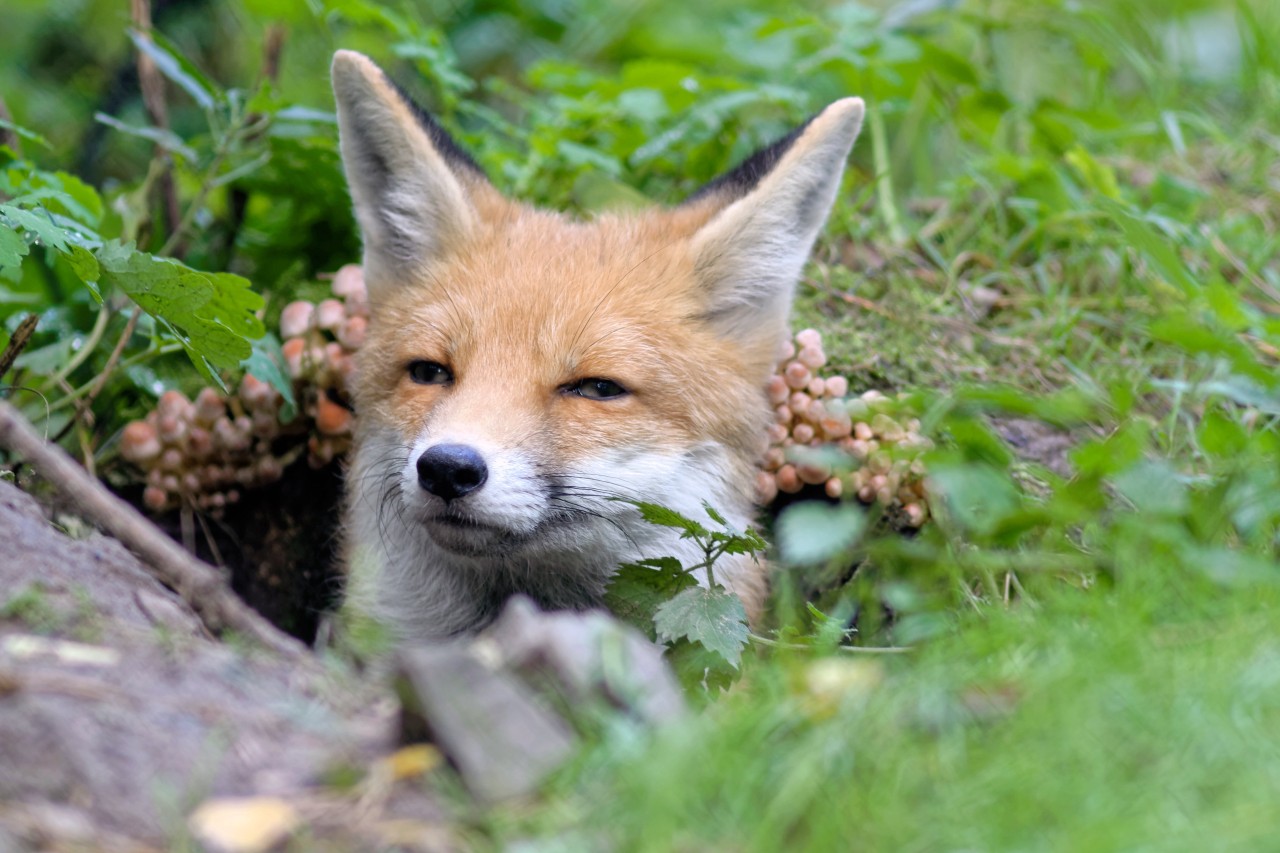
(429, 373)
(597, 389)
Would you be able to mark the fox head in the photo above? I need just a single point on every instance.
(524, 371)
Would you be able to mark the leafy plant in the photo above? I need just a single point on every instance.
(662, 597)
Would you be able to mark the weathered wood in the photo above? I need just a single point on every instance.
(592, 656)
(498, 734)
(199, 584)
(118, 713)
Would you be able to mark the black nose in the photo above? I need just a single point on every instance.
(451, 470)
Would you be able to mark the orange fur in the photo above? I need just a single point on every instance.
(520, 304)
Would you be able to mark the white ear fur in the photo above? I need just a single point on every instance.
(749, 256)
(411, 204)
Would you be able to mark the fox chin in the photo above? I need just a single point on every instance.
(527, 377)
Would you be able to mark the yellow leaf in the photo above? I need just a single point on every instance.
(413, 761)
(243, 825)
(832, 682)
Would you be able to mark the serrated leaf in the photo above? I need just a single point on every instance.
(234, 304)
(747, 542)
(12, 248)
(699, 669)
(267, 363)
(715, 515)
(637, 590)
(814, 532)
(212, 312)
(713, 617)
(84, 264)
(37, 223)
(664, 517)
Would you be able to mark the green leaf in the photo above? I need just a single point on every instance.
(29, 135)
(814, 532)
(1158, 247)
(86, 268)
(234, 304)
(212, 311)
(1098, 176)
(713, 617)
(980, 498)
(747, 542)
(663, 517)
(1153, 486)
(637, 590)
(267, 363)
(12, 248)
(699, 669)
(37, 223)
(172, 64)
(1234, 568)
(166, 139)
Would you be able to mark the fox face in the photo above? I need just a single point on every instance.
(526, 376)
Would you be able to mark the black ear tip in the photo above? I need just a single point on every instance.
(448, 147)
(744, 177)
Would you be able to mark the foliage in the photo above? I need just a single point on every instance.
(661, 597)
(1059, 236)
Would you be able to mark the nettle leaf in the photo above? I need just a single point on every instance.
(234, 304)
(814, 532)
(65, 194)
(663, 517)
(638, 589)
(12, 248)
(37, 223)
(713, 617)
(699, 669)
(212, 313)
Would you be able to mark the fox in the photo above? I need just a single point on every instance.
(528, 376)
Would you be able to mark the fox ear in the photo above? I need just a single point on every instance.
(749, 255)
(412, 186)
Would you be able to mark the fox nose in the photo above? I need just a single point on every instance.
(450, 471)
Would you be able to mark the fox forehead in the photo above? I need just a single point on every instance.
(537, 292)
(535, 301)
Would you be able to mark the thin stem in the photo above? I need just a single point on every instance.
(225, 144)
(105, 374)
(711, 558)
(857, 650)
(90, 344)
(75, 394)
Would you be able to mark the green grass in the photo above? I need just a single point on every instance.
(1140, 718)
(1093, 660)
(1061, 212)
